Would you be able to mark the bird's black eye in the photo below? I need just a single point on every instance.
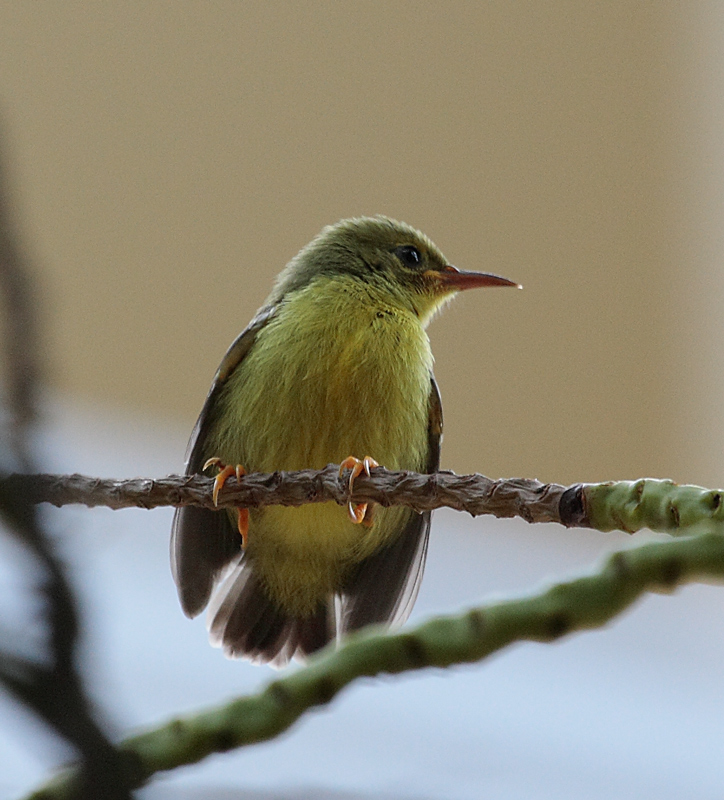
(409, 255)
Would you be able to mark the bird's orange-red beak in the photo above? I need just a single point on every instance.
(458, 279)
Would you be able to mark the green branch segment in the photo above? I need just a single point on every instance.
(582, 603)
(658, 505)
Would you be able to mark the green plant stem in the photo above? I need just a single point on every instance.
(658, 505)
(582, 603)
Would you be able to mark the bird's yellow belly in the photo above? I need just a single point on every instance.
(362, 390)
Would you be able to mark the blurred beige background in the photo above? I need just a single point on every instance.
(167, 159)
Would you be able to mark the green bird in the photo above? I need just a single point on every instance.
(336, 364)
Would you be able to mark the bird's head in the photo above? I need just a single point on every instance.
(393, 258)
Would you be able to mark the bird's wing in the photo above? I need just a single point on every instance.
(384, 587)
(203, 542)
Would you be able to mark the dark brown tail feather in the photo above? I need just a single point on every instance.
(384, 587)
(246, 623)
(203, 542)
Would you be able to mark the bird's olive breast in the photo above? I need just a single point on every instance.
(340, 370)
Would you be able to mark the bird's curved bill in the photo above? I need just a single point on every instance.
(459, 279)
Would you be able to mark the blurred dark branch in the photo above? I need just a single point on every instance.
(51, 688)
(55, 691)
(22, 344)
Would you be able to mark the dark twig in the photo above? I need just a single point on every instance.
(21, 348)
(54, 691)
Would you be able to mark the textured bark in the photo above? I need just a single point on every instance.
(476, 494)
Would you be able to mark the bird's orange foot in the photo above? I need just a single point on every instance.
(361, 512)
(225, 472)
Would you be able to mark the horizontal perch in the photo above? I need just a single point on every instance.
(476, 494)
(624, 505)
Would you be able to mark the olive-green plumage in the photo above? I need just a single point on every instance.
(336, 363)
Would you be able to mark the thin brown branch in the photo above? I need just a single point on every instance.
(475, 494)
